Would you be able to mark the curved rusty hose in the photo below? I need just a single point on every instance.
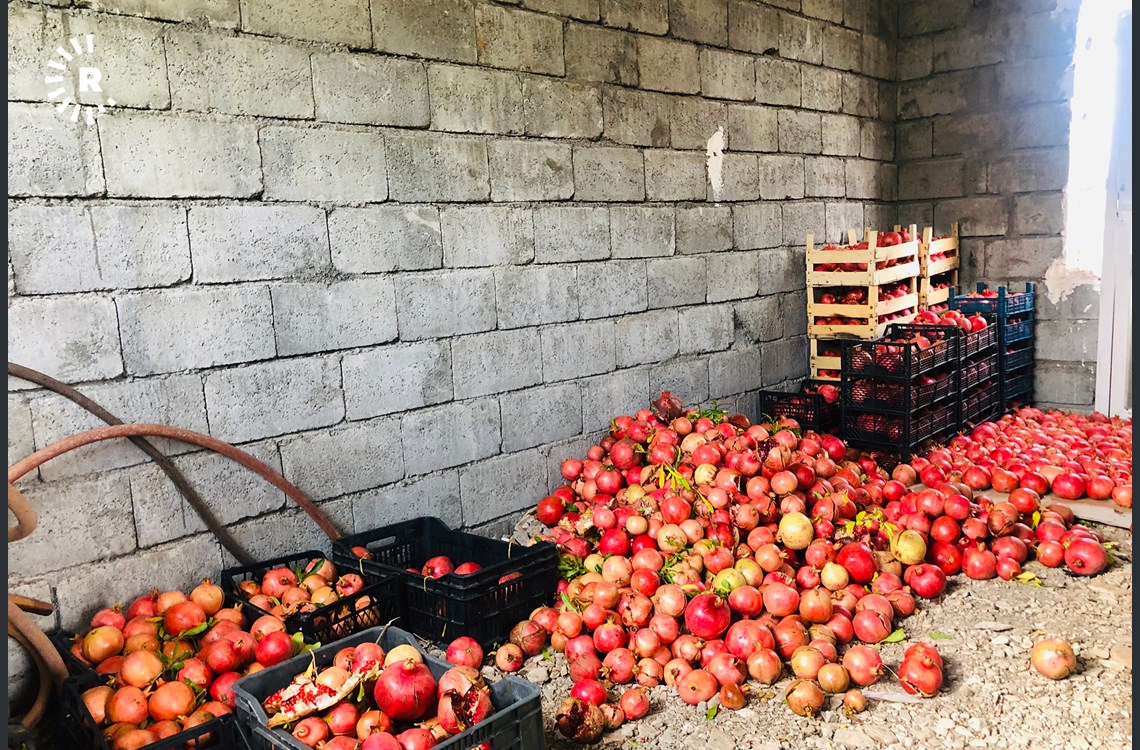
(49, 664)
(266, 472)
(180, 482)
(22, 510)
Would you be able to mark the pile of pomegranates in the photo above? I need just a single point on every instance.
(285, 590)
(1069, 455)
(170, 661)
(704, 552)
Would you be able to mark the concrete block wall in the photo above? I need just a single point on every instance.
(983, 138)
(412, 253)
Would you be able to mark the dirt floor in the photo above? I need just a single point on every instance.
(991, 696)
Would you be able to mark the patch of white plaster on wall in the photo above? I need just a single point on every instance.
(1060, 280)
(714, 164)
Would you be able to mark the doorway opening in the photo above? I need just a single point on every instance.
(1098, 198)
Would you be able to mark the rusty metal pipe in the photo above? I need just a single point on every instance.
(161, 461)
(49, 663)
(266, 472)
(24, 513)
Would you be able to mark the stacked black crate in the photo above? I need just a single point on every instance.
(1013, 315)
(901, 390)
(980, 386)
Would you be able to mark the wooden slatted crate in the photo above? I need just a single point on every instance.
(905, 254)
(825, 270)
(873, 311)
(826, 353)
(816, 373)
(946, 267)
(825, 357)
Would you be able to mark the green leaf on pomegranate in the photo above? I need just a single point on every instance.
(711, 713)
(714, 414)
(197, 630)
(570, 567)
(896, 637)
(546, 655)
(1028, 577)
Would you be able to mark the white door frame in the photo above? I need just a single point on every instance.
(1114, 344)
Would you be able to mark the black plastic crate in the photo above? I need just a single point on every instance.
(1006, 303)
(977, 370)
(79, 730)
(377, 603)
(1017, 386)
(899, 432)
(516, 723)
(513, 581)
(980, 403)
(810, 410)
(979, 341)
(62, 640)
(889, 395)
(1016, 359)
(887, 357)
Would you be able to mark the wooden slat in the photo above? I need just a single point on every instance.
(906, 250)
(933, 268)
(863, 311)
(823, 359)
(863, 278)
(870, 330)
(933, 297)
(814, 373)
(931, 246)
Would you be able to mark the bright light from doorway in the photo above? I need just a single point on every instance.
(1090, 136)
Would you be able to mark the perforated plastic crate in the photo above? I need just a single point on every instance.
(1006, 303)
(377, 603)
(513, 581)
(980, 403)
(899, 432)
(1016, 330)
(979, 369)
(1017, 359)
(1017, 386)
(882, 395)
(79, 730)
(894, 358)
(811, 410)
(980, 341)
(516, 723)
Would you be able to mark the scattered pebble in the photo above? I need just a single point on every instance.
(854, 738)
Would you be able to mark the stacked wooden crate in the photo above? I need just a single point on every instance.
(855, 291)
(939, 259)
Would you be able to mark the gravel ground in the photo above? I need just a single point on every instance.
(991, 696)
